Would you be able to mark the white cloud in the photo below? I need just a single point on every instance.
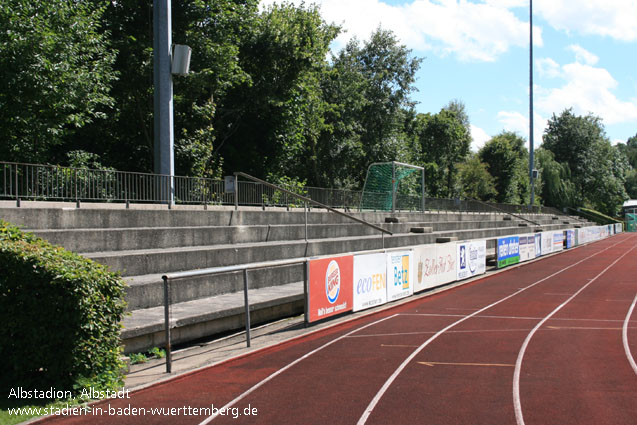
(518, 123)
(587, 89)
(582, 55)
(472, 31)
(548, 68)
(479, 136)
(614, 18)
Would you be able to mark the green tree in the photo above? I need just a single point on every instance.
(630, 150)
(507, 158)
(557, 188)
(215, 31)
(631, 183)
(475, 180)
(597, 169)
(444, 141)
(367, 91)
(274, 120)
(56, 70)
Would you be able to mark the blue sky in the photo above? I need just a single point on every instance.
(477, 51)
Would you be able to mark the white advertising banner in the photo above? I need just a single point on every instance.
(399, 275)
(527, 247)
(370, 288)
(558, 241)
(435, 265)
(447, 257)
(471, 258)
(547, 243)
(426, 263)
(538, 244)
(581, 236)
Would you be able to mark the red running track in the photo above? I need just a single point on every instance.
(549, 342)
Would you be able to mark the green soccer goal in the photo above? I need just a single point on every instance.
(391, 186)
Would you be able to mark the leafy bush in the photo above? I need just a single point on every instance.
(60, 317)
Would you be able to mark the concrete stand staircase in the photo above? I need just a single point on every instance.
(147, 241)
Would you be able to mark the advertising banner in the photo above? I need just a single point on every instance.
(471, 258)
(447, 255)
(547, 243)
(558, 241)
(426, 263)
(527, 247)
(399, 274)
(538, 244)
(435, 265)
(570, 238)
(370, 287)
(330, 286)
(508, 251)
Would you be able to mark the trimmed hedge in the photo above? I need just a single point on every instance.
(60, 317)
(597, 216)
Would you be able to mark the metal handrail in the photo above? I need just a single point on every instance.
(21, 181)
(167, 278)
(308, 201)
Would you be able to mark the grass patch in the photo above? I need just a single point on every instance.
(153, 353)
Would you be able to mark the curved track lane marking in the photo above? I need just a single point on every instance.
(631, 359)
(392, 378)
(517, 404)
(283, 369)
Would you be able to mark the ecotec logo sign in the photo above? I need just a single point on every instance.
(370, 288)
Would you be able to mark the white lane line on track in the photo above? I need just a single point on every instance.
(508, 317)
(280, 371)
(548, 328)
(433, 332)
(629, 355)
(517, 403)
(404, 364)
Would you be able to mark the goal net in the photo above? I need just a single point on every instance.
(393, 185)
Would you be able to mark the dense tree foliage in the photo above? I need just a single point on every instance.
(56, 74)
(597, 169)
(367, 94)
(475, 180)
(266, 95)
(444, 141)
(508, 159)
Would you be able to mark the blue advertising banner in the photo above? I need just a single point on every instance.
(508, 251)
(570, 239)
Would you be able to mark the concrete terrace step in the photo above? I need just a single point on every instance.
(94, 216)
(149, 261)
(148, 290)
(199, 318)
(123, 239)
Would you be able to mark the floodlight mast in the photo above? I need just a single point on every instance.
(164, 163)
(531, 160)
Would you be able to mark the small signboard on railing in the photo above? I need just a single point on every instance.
(229, 184)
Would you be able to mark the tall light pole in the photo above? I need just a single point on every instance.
(532, 200)
(163, 97)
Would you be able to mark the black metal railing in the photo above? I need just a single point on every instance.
(56, 183)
